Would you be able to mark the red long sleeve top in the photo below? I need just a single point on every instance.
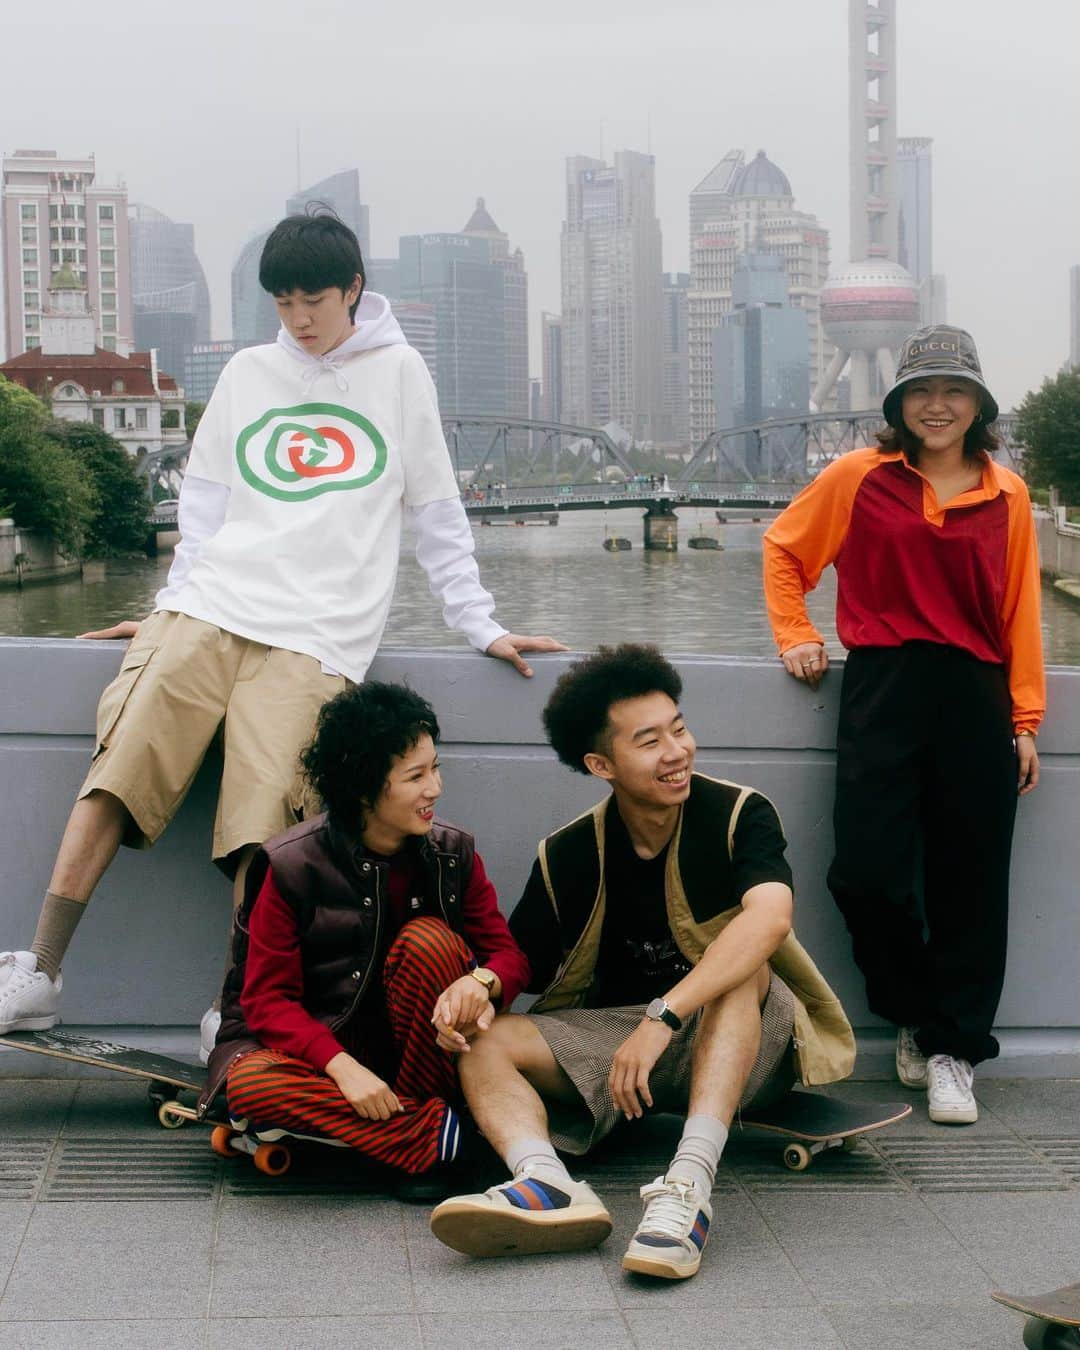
(908, 569)
(273, 995)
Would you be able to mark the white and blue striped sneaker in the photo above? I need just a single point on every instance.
(673, 1230)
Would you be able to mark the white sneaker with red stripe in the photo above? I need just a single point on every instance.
(673, 1230)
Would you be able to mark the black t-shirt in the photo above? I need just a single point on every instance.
(639, 959)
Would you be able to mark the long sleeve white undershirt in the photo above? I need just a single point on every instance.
(200, 513)
(444, 549)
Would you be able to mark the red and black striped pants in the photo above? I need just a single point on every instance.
(274, 1090)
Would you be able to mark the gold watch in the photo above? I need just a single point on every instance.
(485, 977)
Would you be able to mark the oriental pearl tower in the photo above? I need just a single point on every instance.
(871, 304)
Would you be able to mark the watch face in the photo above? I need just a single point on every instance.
(655, 1010)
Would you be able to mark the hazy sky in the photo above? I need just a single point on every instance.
(438, 103)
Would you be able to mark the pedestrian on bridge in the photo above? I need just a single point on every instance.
(943, 693)
(306, 460)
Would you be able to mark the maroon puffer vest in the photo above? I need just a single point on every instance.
(338, 894)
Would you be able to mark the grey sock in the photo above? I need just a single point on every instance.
(56, 924)
(538, 1156)
(698, 1154)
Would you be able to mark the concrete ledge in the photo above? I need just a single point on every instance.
(150, 952)
(1038, 1053)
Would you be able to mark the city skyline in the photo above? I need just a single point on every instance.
(784, 86)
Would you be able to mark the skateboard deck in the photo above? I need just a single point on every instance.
(816, 1123)
(164, 1074)
(1061, 1306)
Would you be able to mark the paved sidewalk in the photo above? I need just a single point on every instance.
(116, 1233)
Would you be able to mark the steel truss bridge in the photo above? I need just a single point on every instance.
(520, 466)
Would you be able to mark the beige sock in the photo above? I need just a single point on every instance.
(57, 922)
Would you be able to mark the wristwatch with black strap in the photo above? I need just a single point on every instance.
(658, 1011)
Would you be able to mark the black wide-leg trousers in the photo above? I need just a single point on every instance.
(926, 774)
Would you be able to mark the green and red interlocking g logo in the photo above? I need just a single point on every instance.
(294, 454)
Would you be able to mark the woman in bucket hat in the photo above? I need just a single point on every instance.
(942, 696)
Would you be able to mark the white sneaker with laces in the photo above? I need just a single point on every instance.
(673, 1230)
(208, 1030)
(910, 1060)
(28, 998)
(949, 1082)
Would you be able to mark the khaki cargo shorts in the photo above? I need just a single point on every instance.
(584, 1041)
(182, 682)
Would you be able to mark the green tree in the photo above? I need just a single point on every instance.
(1048, 425)
(121, 519)
(42, 483)
(193, 411)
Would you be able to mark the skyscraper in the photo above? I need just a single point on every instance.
(551, 370)
(515, 304)
(254, 315)
(341, 192)
(478, 290)
(676, 358)
(55, 213)
(611, 295)
(419, 324)
(739, 207)
(384, 276)
(170, 298)
(760, 352)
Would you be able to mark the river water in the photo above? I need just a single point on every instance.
(556, 580)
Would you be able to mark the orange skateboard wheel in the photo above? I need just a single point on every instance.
(273, 1159)
(221, 1141)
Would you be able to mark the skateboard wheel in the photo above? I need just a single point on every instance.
(851, 1143)
(221, 1141)
(273, 1159)
(169, 1118)
(797, 1158)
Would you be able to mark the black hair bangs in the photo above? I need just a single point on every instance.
(310, 253)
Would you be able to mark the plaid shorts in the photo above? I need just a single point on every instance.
(584, 1042)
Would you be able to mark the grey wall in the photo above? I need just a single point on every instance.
(150, 951)
(1059, 544)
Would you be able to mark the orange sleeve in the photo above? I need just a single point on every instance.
(1020, 616)
(804, 539)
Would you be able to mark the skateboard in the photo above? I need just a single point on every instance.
(816, 1123)
(271, 1150)
(1053, 1319)
(166, 1077)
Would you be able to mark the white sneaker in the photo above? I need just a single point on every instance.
(208, 1030)
(28, 998)
(673, 1230)
(525, 1215)
(910, 1060)
(951, 1100)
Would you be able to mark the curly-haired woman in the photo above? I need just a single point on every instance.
(943, 693)
(369, 948)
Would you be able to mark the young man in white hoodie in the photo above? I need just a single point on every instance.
(306, 459)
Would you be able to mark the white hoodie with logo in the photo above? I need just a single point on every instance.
(299, 476)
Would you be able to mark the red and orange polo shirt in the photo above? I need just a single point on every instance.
(910, 570)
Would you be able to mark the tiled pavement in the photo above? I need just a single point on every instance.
(115, 1233)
